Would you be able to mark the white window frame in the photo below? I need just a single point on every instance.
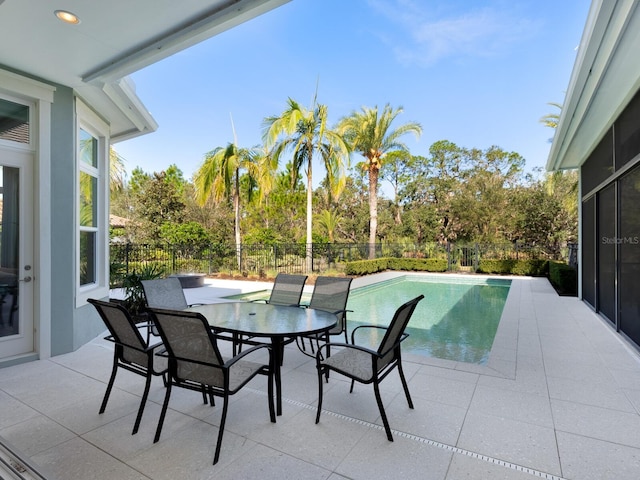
(87, 120)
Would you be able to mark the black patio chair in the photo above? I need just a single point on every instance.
(365, 365)
(195, 361)
(331, 295)
(131, 352)
(287, 290)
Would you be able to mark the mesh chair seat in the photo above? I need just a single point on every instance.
(353, 362)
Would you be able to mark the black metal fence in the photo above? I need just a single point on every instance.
(267, 260)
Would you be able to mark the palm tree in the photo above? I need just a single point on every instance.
(329, 220)
(370, 134)
(116, 170)
(304, 132)
(219, 177)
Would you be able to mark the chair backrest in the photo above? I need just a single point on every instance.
(287, 289)
(123, 329)
(331, 294)
(164, 293)
(396, 328)
(187, 336)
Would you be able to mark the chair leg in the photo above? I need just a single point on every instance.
(163, 412)
(272, 410)
(404, 384)
(110, 385)
(143, 402)
(216, 456)
(204, 393)
(320, 375)
(385, 422)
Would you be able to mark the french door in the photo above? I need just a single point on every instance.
(16, 251)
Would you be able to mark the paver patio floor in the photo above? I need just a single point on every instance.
(559, 398)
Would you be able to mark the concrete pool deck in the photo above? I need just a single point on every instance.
(559, 398)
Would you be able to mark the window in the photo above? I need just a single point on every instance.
(88, 191)
(92, 206)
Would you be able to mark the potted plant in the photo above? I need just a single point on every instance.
(134, 300)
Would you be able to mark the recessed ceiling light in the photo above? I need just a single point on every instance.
(67, 17)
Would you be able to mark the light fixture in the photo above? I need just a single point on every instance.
(67, 17)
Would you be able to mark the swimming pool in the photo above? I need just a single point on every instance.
(457, 320)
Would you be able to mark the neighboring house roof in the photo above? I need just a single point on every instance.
(15, 133)
(113, 39)
(605, 77)
(118, 222)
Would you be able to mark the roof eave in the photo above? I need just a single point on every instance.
(604, 79)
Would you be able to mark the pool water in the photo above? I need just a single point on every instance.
(457, 320)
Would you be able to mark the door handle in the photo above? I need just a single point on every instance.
(26, 279)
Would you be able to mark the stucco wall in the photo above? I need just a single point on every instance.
(71, 327)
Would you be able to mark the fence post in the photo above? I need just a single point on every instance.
(476, 259)
(126, 258)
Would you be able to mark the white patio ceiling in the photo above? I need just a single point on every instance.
(113, 39)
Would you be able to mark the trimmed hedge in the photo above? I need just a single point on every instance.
(533, 268)
(418, 264)
(365, 267)
(564, 278)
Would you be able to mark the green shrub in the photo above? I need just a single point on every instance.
(365, 267)
(563, 277)
(495, 266)
(418, 264)
(534, 268)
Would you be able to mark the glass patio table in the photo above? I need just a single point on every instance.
(268, 321)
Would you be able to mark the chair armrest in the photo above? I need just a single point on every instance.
(324, 346)
(133, 347)
(244, 353)
(353, 332)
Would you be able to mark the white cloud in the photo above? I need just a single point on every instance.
(431, 32)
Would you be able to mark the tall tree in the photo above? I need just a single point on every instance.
(116, 170)
(219, 177)
(551, 119)
(369, 133)
(303, 133)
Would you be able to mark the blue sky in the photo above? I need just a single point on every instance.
(475, 72)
